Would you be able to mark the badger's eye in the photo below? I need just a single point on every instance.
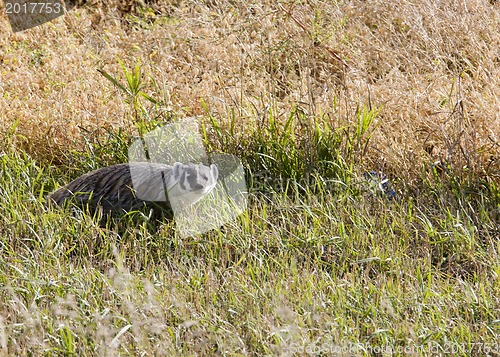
(204, 177)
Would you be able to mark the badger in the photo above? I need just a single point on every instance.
(128, 187)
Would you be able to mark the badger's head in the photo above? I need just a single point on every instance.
(192, 182)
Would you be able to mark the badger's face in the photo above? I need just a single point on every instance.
(193, 181)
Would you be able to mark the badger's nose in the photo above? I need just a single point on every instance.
(198, 187)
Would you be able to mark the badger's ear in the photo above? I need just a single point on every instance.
(177, 171)
(215, 171)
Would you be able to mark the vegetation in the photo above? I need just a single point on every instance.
(309, 96)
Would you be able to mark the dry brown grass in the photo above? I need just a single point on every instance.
(432, 67)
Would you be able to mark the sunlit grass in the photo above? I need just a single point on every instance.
(307, 266)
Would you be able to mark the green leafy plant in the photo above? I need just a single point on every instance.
(133, 88)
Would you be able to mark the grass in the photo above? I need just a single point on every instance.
(298, 270)
(320, 263)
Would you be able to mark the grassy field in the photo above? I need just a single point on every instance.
(310, 96)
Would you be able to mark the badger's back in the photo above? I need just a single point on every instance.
(123, 187)
(110, 188)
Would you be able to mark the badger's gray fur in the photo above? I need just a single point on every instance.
(127, 187)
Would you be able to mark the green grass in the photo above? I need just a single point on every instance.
(312, 267)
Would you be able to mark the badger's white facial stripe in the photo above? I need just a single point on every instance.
(215, 172)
